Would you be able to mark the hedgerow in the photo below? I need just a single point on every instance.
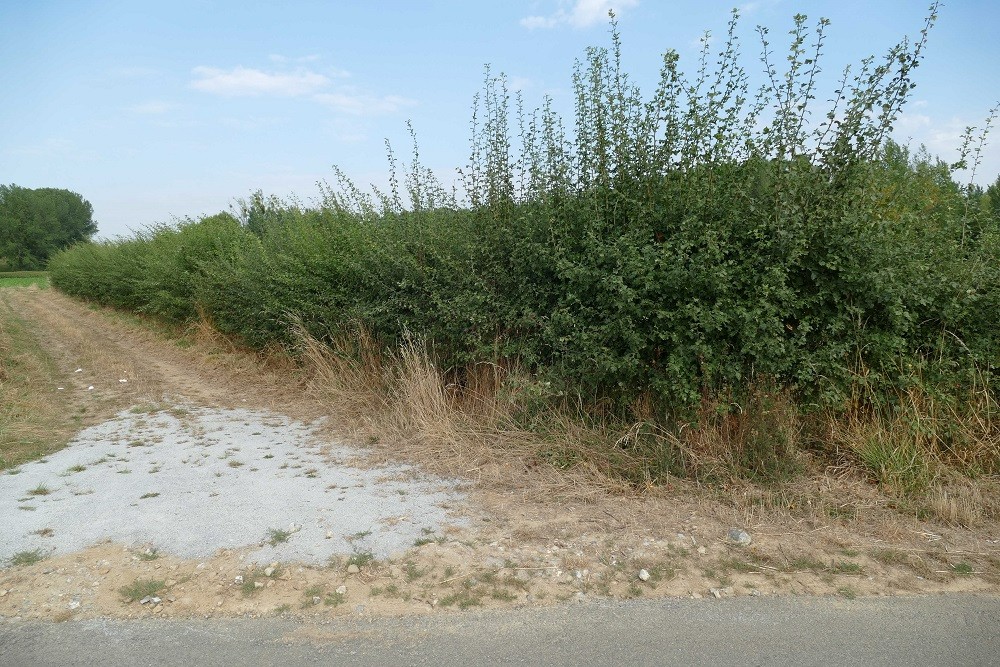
(700, 241)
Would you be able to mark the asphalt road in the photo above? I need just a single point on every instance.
(939, 630)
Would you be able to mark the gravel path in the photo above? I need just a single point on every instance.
(191, 480)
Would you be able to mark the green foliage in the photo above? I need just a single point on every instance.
(36, 223)
(690, 244)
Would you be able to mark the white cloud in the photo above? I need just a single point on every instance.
(355, 103)
(580, 14)
(243, 81)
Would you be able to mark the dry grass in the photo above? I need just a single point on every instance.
(33, 422)
(497, 426)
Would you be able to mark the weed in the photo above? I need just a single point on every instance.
(40, 490)
(283, 609)
(463, 599)
(140, 588)
(847, 568)
(413, 572)
(889, 556)
(847, 592)
(276, 536)
(26, 557)
(235, 464)
(152, 494)
(962, 568)
(334, 599)
(502, 594)
(149, 554)
(361, 559)
(45, 532)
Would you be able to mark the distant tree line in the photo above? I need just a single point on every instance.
(34, 224)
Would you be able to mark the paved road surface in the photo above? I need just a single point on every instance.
(941, 630)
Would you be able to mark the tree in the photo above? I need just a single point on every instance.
(34, 224)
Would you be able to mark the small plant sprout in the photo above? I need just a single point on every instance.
(276, 536)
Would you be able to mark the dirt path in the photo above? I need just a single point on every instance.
(502, 545)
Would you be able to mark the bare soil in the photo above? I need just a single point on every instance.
(575, 541)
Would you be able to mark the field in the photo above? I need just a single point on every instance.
(24, 278)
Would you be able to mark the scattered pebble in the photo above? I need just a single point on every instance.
(353, 569)
(643, 575)
(739, 537)
(341, 590)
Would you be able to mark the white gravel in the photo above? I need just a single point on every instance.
(191, 480)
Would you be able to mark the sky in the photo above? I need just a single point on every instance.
(155, 111)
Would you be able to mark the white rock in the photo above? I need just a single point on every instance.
(715, 592)
(643, 575)
(353, 569)
(329, 534)
(258, 584)
(155, 600)
(239, 579)
(269, 571)
(341, 590)
(740, 537)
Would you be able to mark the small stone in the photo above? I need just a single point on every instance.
(580, 596)
(329, 534)
(239, 579)
(4, 593)
(269, 571)
(643, 575)
(218, 603)
(341, 590)
(258, 584)
(157, 609)
(696, 596)
(295, 527)
(755, 593)
(353, 569)
(145, 600)
(317, 599)
(155, 600)
(739, 537)
(74, 604)
(715, 592)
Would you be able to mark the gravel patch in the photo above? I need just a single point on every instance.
(192, 480)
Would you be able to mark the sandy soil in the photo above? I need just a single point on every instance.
(499, 544)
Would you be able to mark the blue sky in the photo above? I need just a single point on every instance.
(155, 110)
